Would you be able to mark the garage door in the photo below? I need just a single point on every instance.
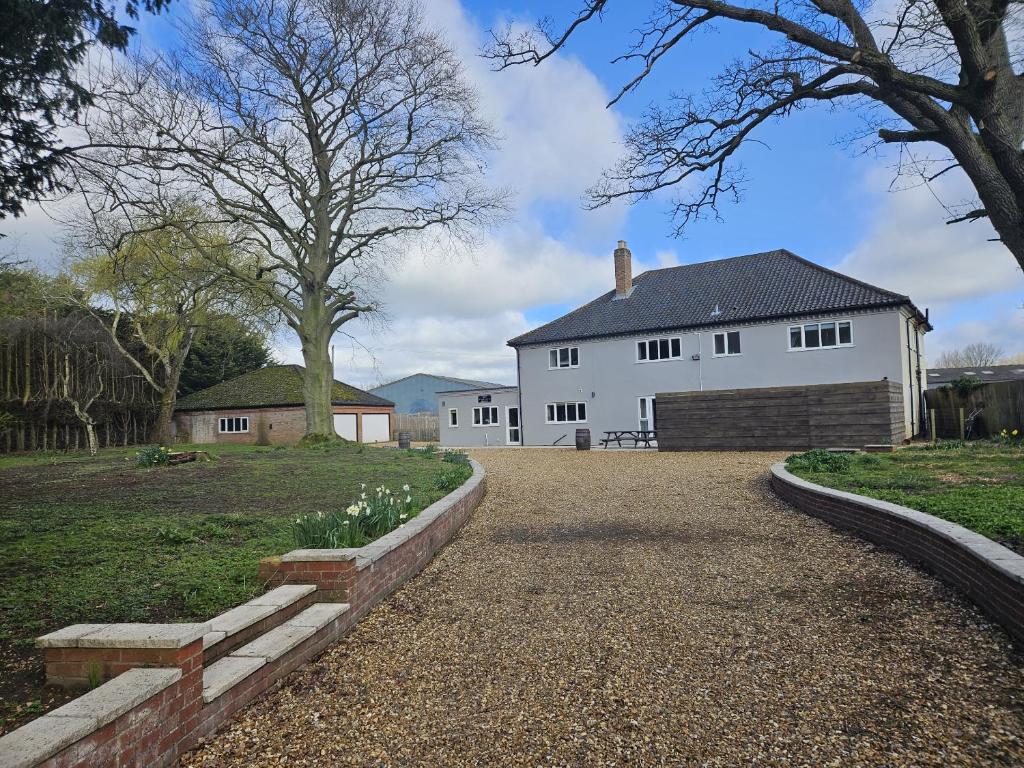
(376, 428)
(345, 425)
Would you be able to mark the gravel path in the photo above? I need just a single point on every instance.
(613, 608)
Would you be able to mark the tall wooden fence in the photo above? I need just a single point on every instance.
(782, 418)
(422, 426)
(1001, 404)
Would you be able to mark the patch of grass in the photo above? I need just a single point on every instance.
(978, 485)
(93, 539)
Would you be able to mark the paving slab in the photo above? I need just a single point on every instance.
(318, 616)
(115, 697)
(245, 615)
(285, 595)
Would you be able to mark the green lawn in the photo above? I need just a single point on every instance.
(979, 486)
(86, 539)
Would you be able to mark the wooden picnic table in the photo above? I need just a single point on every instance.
(638, 436)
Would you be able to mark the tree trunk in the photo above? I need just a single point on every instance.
(161, 431)
(90, 431)
(319, 377)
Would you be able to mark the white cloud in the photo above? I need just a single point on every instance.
(912, 250)
(972, 285)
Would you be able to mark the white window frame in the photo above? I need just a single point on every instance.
(803, 335)
(229, 421)
(725, 345)
(657, 340)
(478, 415)
(556, 352)
(565, 404)
(453, 423)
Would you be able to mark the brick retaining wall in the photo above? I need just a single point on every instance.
(155, 705)
(363, 577)
(989, 574)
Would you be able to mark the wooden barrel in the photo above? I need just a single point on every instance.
(583, 439)
(404, 439)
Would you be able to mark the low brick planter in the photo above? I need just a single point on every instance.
(364, 576)
(991, 575)
(169, 685)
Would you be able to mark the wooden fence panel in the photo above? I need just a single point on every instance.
(423, 427)
(1003, 408)
(782, 418)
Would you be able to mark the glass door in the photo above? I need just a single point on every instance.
(647, 411)
(512, 420)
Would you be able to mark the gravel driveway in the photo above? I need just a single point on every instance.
(620, 608)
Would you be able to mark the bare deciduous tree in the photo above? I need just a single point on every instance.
(976, 354)
(323, 134)
(940, 73)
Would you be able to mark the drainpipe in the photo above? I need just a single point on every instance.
(910, 373)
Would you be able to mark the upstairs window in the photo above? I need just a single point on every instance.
(727, 343)
(564, 357)
(826, 335)
(566, 413)
(485, 416)
(653, 350)
(235, 424)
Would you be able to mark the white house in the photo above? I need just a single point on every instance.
(762, 320)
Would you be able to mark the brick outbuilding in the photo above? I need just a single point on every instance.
(266, 406)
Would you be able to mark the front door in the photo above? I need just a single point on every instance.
(647, 411)
(512, 420)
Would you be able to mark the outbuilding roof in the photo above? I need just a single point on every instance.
(273, 386)
(467, 383)
(983, 373)
(760, 286)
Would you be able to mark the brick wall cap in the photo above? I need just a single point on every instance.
(128, 690)
(368, 554)
(125, 636)
(42, 738)
(319, 555)
(67, 637)
(284, 596)
(1002, 559)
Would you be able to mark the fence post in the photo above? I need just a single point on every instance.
(963, 434)
(934, 426)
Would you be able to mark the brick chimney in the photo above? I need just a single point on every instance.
(623, 271)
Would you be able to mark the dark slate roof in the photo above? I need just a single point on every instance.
(760, 286)
(273, 386)
(467, 383)
(939, 376)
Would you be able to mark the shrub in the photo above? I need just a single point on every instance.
(154, 456)
(451, 477)
(455, 457)
(965, 385)
(426, 451)
(819, 460)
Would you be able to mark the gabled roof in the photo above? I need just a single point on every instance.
(466, 383)
(273, 386)
(760, 286)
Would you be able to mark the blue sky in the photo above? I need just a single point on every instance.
(806, 191)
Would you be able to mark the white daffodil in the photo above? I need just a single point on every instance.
(353, 510)
(405, 487)
(408, 499)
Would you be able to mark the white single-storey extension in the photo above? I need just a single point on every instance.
(479, 417)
